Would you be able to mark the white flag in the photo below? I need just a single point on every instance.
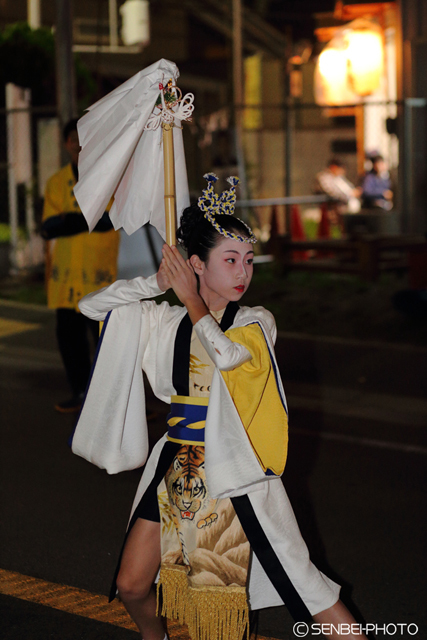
(120, 158)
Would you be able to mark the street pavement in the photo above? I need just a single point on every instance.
(355, 476)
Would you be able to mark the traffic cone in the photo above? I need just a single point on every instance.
(324, 229)
(297, 232)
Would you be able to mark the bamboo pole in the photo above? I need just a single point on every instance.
(169, 171)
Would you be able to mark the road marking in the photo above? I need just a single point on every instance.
(76, 601)
(11, 327)
(25, 306)
(64, 598)
(366, 442)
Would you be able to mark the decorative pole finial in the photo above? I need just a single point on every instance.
(170, 106)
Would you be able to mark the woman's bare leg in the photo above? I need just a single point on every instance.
(138, 569)
(336, 615)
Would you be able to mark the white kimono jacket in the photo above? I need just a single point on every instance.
(112, 429)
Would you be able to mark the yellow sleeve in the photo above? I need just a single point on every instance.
(255, 393)
(53, 199)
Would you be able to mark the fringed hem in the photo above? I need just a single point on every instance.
(174, 584)
(209, 612)
(217, 612)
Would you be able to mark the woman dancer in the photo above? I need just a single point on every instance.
(210, 511)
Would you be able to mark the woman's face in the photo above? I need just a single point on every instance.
(227, 273)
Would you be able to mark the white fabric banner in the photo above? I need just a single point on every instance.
(119, 158)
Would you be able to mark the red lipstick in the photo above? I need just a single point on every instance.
(240, 288)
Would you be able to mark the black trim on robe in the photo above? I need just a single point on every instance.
(268, 559)
(145, 507)
(181, 355)
(229, 314)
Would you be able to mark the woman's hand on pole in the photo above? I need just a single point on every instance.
(183, 281)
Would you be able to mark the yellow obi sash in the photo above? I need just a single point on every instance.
(186, 420)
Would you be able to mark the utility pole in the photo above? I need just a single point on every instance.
(289, 132)
(238, 93)
(65, 78)
(412, 116)
(289, 128)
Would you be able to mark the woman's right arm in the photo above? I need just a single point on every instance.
(96, 305)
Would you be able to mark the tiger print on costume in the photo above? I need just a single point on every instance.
(186, 485)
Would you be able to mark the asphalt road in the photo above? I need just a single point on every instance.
(355, 475)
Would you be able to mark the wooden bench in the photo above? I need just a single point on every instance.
(366, 256)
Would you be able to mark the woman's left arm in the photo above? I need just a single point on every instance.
(228, 354)
(224, 353)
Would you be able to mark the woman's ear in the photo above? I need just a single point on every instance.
(197, 264)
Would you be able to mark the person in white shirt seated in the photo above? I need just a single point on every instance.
(332, 181)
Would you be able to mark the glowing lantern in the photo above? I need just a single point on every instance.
(365, 57)
(351, 65)
(332, 67)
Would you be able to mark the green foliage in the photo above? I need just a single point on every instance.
(169, 97)
(311, 227)
(30, 293)
(86, 85)
(27, 58)
(5, 233)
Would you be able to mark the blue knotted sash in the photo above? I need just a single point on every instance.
(186, 420)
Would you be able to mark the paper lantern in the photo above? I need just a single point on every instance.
(351, 65)
(332, 84)
(365, 57)
(333, 71)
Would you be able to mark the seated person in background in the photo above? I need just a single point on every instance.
(333, 183)
(376, 186)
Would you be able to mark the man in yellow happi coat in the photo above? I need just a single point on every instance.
(78, 263)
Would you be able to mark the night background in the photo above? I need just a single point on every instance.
(348, 288)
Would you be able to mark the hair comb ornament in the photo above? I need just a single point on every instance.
(211, 203)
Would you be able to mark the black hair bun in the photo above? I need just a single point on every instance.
(190, 219)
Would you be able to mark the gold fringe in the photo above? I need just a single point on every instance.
(174, 585)
(218, 612)
(210, 612)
